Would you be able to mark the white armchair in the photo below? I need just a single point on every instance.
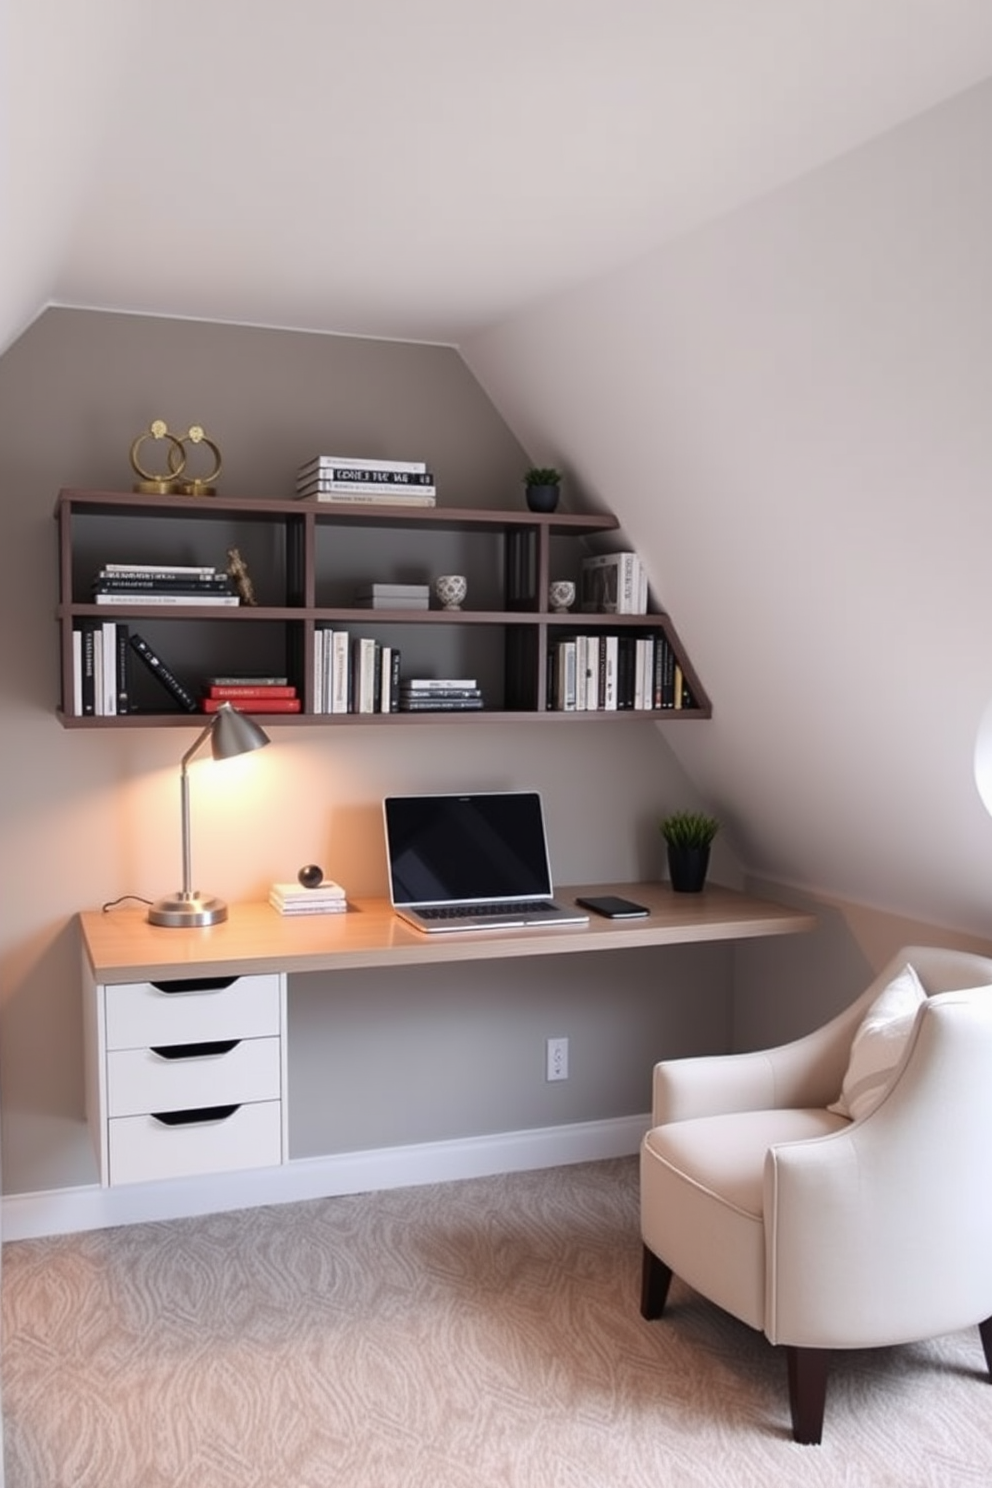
(821, 1231)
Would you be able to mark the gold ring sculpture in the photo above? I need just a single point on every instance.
(149, 483)
(200, 485)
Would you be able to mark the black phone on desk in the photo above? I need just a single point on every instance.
(613, 907)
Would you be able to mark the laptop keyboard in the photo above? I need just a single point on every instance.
(473, 911)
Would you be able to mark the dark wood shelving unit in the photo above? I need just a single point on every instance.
(293, 538)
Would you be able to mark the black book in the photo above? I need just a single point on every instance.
(158, 669)
(123, 670)
(89, 668)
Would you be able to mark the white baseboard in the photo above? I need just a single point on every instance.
(64, 1211)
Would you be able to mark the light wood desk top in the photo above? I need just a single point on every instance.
(123, 947)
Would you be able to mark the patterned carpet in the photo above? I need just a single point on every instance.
(482, 1334)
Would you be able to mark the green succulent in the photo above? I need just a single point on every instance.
(541, 477)
(689, 829)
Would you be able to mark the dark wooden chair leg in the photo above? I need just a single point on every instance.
(656, 1278)
(807, 1392)
(985, 1329)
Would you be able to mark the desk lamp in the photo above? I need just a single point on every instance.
(230, 733)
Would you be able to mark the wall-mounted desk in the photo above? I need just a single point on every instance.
(185, 1030)
(122, 947)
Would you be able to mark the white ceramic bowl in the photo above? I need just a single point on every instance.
(561, 595)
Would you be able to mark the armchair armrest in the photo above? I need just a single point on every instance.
(806, 1072)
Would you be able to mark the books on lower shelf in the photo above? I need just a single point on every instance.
(100, 670)
(255, 704)
(354, 674)
(440, 695)
(292, 898)
(615, 673)
(613, 584)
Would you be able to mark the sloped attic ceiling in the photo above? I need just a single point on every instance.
(422, 168)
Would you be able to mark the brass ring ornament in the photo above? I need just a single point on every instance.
(201, 485)
(150, 483)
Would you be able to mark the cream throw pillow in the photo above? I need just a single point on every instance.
(878, 1045)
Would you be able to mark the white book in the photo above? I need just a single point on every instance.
(179, 569)
(328, 907)
(328, 888)
(593, 646)
(439, 684)
(581, 672)
(152, 597)
(362, 462)
(109, 639)
(340, 671)
(319, 638)
(386, 679)
(393, 591)
(383, 495)
(77, 673)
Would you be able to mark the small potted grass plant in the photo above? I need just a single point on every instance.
(688, 836)
(542, 488)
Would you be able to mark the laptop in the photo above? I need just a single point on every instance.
(472, 862)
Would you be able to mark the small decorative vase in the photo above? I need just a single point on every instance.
(561, 595)
(687, 868)
(542, 498)
(451, 589)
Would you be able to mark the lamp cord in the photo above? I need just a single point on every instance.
(113, 903)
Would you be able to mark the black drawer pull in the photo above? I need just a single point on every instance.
(196, 1051)
(195, 984)
(188, 1118)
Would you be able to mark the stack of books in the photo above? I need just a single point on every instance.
(100, 673)
(345, 479)
(613, 584)
(162, 584)
(293, 899)
(440, 695)
(393, 597)
(250, 694)
(597, 673)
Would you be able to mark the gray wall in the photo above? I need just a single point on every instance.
(90, 816)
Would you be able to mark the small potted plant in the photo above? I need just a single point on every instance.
(542, 483)
(688, 835)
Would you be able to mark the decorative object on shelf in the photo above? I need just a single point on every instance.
(230, 733)
(688, 835)
(542, 488)
(322, 897)
(451, 590)
(561, 595)
(149, 483)
(237, 571)
(201, 485)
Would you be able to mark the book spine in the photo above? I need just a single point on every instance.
(368, 498)
(355, 462)
(157, 570)
(159, 597)
(395, 658)
(254, 705)
(387, 496)
(158, 669)
(354, 475)
(77, 673)
(230, 690)
(123, 670)
(88, 689)
(340, 672)
(440, 705)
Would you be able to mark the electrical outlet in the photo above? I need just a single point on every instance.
(557, 1059)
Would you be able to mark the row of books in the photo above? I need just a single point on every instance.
(593, 673)
(346, 478)
(354, 674)
(154, 584)
(613, 584)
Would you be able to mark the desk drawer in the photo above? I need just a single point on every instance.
(140, 1014)
(143, 1148)
(187, 1075)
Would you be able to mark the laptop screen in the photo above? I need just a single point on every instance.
(465, 848)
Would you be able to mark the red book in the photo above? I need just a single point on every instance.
(244, 690)
(254, 704)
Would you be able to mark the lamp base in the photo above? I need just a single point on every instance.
(183, 911)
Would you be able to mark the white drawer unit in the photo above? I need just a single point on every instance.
(186, 1076)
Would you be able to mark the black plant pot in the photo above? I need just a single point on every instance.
(687, 868)
(542, 498)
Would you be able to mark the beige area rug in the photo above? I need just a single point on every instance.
(482, 1334)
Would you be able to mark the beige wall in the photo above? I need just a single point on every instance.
(89, 816)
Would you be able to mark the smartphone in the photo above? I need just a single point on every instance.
(614, 908)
